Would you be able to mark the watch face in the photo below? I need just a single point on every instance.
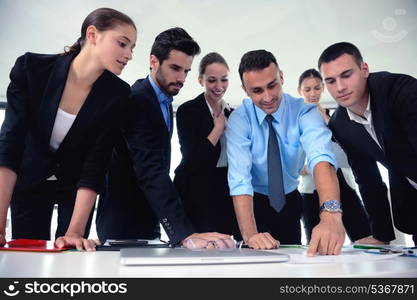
(332, 205)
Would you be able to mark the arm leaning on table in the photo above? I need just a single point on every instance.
(239, 177)
(7, 182)
(94, 168)
(12, 137)
(329, 235)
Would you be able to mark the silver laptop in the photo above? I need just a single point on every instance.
(181, 256)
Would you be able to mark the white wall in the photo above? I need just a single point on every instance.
(295, 31)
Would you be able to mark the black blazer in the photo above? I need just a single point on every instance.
(199, 156)
(33, 96)
(393, 102)
(203, 187)
(146, 151)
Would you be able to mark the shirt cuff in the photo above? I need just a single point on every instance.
(241, 189)
(321, 158)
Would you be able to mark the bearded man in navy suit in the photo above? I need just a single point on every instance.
(139, 191)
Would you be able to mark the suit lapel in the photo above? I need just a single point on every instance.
(205, 114)
(171, 121)
(361, 137)
(377, 115)
(156, 107)
(89, 109)
(52, 97)
(227, 113)
(158, 117)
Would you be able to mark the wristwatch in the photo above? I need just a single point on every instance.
(331, 206)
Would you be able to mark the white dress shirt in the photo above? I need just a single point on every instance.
(366, 121)
(63, 123)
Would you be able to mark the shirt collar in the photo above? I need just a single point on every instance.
(224, 106)
(160, 95)
(260, 114)
(367, 114)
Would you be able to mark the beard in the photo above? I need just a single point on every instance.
(165, 86)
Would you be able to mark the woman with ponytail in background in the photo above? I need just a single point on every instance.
(57, 135)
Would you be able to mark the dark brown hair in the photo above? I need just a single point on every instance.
(310, 73)
(174, 39)
(103, 19)
(334, 51)
(256, 60)
(211, 58)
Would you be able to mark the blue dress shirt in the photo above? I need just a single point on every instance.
(164, 102)
(300, 131)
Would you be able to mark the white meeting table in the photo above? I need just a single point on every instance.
(16, 264)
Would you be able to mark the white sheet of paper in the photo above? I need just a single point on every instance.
(347, 257)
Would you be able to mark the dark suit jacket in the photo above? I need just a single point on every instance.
(33, 97)
(393, 99)
(202, 186)
(194, 123)
(136, 201)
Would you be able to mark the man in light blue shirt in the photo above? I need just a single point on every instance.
(301, 133)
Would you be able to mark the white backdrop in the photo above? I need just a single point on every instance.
(295, 31)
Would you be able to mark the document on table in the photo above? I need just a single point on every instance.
(345, 257)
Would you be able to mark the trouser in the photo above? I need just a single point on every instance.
(404, 205)
(283, 226)
(31, 211)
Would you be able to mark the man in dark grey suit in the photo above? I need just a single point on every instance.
(376, 121)
(139, 192)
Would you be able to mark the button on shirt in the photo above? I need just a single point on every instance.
(164, 102)
(301, 133)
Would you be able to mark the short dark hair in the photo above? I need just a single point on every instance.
(256, 60)
(336, 50)
(211, 58)
(103, 19)
(174, 39)
(308, 74)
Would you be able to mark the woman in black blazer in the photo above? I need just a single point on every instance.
(57, 135)
(201, 177)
